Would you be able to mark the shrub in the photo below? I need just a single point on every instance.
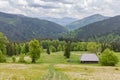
(108, 58)
(13, 59)
(59, 48)
(21, 58)
(52, 49)
(116, 68)
(2, 57)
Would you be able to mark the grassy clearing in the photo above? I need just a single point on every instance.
(58, 58)
(61, 70)
(81, 72)
(58, 72)
(21, 71)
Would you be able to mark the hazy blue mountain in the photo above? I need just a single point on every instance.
(85, 21)
(21, 28)
(62, 21)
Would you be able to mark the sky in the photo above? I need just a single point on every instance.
(61, 8)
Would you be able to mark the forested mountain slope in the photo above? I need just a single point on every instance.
(101, 28)
(85, 21)
(21, 28)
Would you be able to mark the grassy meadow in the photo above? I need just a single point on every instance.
(55, 67)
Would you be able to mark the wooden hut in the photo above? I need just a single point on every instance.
(89, 58)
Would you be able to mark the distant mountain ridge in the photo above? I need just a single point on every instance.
(100, 28)
(22, 28)
(85, 21)
(62, 21)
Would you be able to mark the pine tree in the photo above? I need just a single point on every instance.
(48, 50)
(67, 49)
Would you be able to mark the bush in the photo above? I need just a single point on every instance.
(108, 58)
(52, 49)
(13, 59)
(21, 58)
(2, 57)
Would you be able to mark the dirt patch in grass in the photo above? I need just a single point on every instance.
(13, 66)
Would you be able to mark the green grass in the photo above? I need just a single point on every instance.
(58, 58)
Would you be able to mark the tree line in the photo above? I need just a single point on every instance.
(35, 47)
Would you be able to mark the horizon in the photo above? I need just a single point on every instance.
(54, 17)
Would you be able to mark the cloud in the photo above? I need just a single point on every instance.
(3, 3)
(43, 6)
(60, 1)
(61, 8)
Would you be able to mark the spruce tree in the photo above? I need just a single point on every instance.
(67, 49)
(48, 50)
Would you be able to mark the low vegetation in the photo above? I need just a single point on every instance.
(2, 57)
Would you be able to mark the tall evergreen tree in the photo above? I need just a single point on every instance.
(67, 49)
(48, 50)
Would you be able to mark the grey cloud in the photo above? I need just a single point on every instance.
(43, 6)
(59, 1)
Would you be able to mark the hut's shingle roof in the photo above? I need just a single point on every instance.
(89, 57)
